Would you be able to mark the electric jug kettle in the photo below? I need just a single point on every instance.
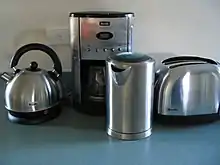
(129, 95)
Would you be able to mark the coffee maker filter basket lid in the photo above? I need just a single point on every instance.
(102, 14)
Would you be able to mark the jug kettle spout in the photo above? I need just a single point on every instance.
(6, 77)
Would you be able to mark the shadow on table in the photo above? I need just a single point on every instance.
(73, 119)
(70, 128)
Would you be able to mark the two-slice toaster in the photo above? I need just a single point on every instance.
(187, 88)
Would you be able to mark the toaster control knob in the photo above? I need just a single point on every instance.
(97, 50)
(105, 50)
(88, 49)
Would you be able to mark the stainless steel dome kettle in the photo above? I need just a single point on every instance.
(32, 94)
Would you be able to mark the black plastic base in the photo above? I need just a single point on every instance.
(91, 108)
(187, 120)
(34, 117)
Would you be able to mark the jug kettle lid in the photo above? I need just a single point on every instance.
(131, 57)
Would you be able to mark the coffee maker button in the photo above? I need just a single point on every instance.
(119, 49)
(112, 49)
(105, 50)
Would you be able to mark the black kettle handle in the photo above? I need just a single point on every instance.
(176, 59)
(37, 46)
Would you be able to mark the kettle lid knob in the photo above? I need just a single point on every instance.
(33, 66)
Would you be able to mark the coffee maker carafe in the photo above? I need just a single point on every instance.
(95, 36)
(96, 86)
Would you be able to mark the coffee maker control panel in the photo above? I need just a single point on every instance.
(91, 53)
(101, 37)
(101, 50)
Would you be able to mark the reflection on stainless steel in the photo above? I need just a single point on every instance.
(186, 84)
(129, 96)
(186, 88)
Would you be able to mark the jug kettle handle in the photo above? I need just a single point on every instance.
(177, 59)
(37, 46)
(116, 69)
(120, 75)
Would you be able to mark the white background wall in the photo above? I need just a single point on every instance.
(161, 26)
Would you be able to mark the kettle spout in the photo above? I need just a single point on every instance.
(5, 76)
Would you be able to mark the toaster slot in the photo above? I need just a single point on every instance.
(183, 64)
(188, 59)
